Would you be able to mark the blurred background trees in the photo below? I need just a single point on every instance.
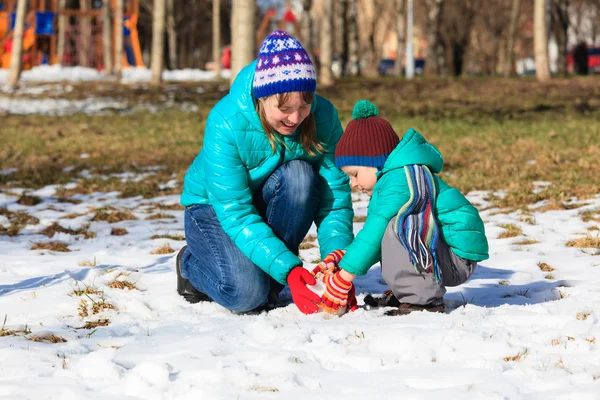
(355, 37)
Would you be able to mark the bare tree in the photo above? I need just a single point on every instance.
(306, 27)
(172, 33)
(434, 18)
(62, 25)
(216, 25)
(118, 39)
(455, 32)
(84, 6)
(542, 69)
(352, 66)
(242, 35)
(509, 58)
(107, 38)
(17, 48)
(158, 41)
(560, 27)
(326, 45)
(401, 36)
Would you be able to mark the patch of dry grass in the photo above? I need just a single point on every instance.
(168, 236)
(122, 284)
(18, 221)
(164, 249)
(88, 263)
(585, 242)
(360, 218)
(545, 267)
(590, 215)
(159, 216)
(72, 216)
(50, 338)
(56, 245)
(172, 207)
(558, 206)
(308, 242)
(504, 283)
(62, 199)
(582, 316)
(55, 227)
(112, 215)
(518, 357)
(118, 232)
(526, 242)
(87, 290)
(28, 200)
(95, 324)
(550, 277)
(512, 230)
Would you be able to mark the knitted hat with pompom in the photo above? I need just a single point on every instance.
(368, 139)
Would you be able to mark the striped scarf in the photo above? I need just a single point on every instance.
(416, 226)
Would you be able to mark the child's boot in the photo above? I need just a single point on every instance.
(407, 308)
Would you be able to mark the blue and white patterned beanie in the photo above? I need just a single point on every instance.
(283, 66)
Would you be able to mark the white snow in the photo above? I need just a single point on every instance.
(56, 73)
(157, 346)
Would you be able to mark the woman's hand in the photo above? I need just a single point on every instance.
(305, 299)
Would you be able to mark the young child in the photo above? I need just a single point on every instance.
(426, 234)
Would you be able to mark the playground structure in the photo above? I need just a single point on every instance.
(82, 36)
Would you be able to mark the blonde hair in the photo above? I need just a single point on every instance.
(308, 127)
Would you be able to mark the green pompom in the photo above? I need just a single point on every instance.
(364, 109)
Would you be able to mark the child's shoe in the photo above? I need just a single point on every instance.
(406, 308)
(387, 300)
(184, 286)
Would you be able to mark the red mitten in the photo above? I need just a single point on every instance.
(337, 293)
(303, 297)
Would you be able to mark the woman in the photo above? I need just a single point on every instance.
(265, 174)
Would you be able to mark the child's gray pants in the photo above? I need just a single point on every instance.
(410, 286)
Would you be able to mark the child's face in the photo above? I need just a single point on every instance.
(362, 178)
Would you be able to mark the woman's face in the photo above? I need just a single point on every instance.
(286, 118)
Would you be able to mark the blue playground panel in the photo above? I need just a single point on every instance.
(44, 22)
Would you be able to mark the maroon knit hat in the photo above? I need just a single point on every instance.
(368, 139)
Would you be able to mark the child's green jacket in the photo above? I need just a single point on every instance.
(461, 226)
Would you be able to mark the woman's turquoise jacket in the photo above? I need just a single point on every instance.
(237, 158)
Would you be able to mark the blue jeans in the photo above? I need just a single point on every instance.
(215, 266)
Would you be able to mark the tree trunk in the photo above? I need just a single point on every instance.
(306, 28)
(84, 34)
(339, 26)
(243, 34)
(344, 53)
(216, 32)
(17, 47)
(172, 33)
(352, 68)
(62, 31)
(326, 45)
(107, 38)
(560, 22)
(401, 35)
(434, 18)
(512, 35)
(118, 39)
(542, 69)
(158, 41)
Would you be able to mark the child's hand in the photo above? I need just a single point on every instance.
(339, 294)
(329, 264)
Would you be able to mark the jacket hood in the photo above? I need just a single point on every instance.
(414, 149)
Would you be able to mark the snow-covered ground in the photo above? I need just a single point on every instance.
(512, 331)
(56, 73)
